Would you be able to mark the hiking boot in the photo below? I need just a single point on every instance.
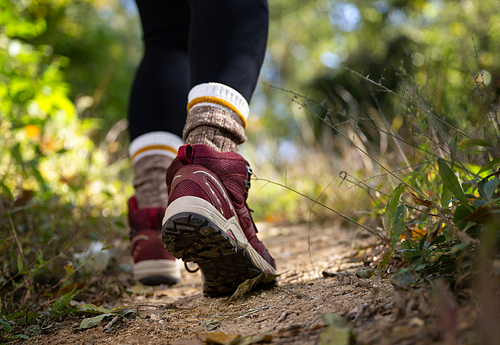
(153, 265)
(208, 222)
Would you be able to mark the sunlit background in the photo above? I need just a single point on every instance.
(322, 113)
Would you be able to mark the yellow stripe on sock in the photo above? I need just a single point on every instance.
(154, 147)
(216, 100)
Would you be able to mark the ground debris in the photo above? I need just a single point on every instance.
(373, 309)
(249, 284)
(337, 331)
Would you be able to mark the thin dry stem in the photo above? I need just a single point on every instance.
(385, 240)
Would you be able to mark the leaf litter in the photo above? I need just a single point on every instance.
(320, 305)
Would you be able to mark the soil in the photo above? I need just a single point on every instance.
(312, 283)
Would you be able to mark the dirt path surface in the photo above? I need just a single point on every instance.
(287, 314)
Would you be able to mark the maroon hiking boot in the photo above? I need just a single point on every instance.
(153, 265)
(208, 222)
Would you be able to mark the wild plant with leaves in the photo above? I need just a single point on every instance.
(442, 216)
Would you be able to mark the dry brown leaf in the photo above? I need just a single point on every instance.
(420, 200)
(219, 338)
(248, 285)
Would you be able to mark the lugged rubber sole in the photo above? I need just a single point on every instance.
(195, 238)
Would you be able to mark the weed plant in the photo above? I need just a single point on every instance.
(437, 188)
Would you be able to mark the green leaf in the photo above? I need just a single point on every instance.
(390, 208)
(417, 262)
(488, 187)
(16, 315)
(491, 165)
(22, 336)
(6, 326)
(398, 224)
(405, 277)
(439, 239)
(422, 242)
(451, 182)
(409, 249)
(453, 148)
(20, 266)
(120, 224)
(7, 191)
(466, 144)
(337, 332)
(93, 321)
(445, 197)
(460, 213)
(383, 263)
(61, 307)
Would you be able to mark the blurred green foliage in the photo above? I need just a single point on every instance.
(64, 174)
(439, 44)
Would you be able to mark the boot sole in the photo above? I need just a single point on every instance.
(224, 264)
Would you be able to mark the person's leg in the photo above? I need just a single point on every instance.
(227, 44)
(158, 97)
(207, 220)
(157, 114)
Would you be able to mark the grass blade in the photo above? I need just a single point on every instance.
(390, 209)
(398, 224)
(451, 182)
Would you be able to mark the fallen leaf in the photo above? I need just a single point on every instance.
(365, 273)
(420, 200)
(219, 338)
(90, 322)
(93, 321)
(248, 285)
(337, 332)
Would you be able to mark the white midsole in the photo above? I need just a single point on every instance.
(192, 204)
(149, 268)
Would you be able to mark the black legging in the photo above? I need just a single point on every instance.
(192, 42)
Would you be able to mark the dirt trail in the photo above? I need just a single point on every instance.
(288, 314)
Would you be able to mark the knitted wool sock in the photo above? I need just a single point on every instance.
(149, 181)
(216, 117)
(151, 155)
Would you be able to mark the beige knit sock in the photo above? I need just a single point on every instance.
(214, 127)
(149, 181)
(151, 154)
(216, 117)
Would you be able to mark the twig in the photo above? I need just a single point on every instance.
(361, 150)
(328, 208)
(21, 252)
